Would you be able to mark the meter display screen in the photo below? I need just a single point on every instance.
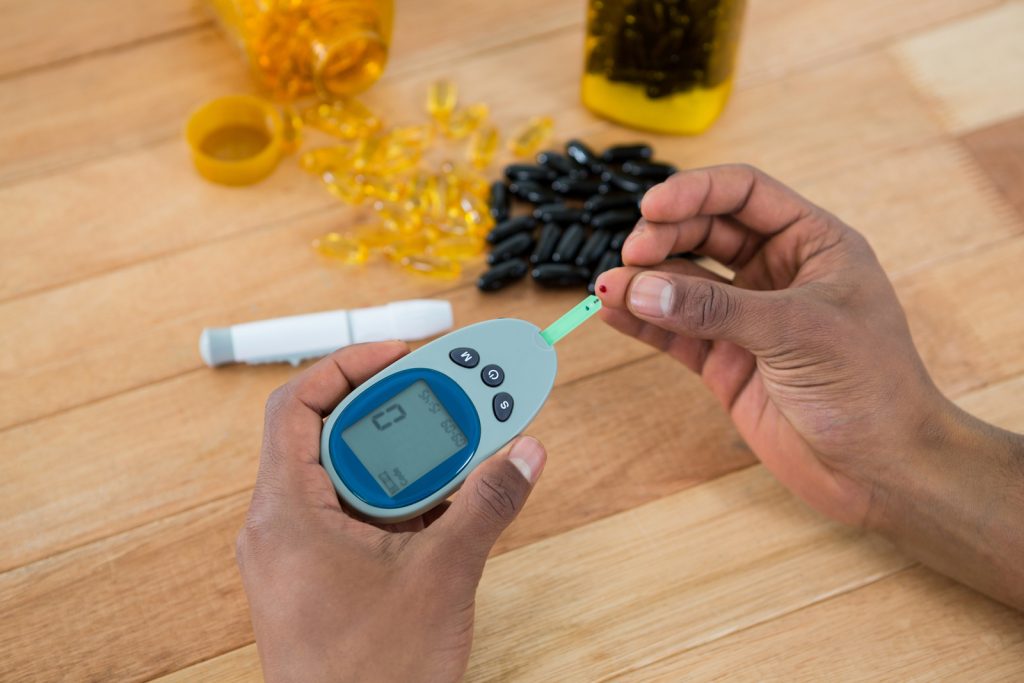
(405, 437)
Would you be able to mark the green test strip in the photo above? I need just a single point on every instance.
(571, 320)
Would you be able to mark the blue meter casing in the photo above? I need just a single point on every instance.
(406, 439)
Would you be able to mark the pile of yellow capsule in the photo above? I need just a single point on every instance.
(431, 211)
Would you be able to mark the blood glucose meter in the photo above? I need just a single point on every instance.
(406, 439)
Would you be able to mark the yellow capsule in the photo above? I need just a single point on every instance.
(464, 121)
(482, 146)
(413, 244)
(457, 247)
(433, 266)
(528, 140)
(291, 135)
(441, 98)
(418, 137)
(364, 156)
(474, 213)
(318, 161)
(345, 187)
(398, 217)
(377, 236)
(345, 118)
(343, 248)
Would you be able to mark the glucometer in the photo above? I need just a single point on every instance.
(406, 439)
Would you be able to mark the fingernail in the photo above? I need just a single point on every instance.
(651, 296)
(528, 456)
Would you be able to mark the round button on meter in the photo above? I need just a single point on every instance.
(492, 375)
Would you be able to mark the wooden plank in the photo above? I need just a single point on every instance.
(155, 310)
(830, 29)
(971, 70)
(913, 626)
(998, 404)
(42, 32)
(587, 458)
(999, 150)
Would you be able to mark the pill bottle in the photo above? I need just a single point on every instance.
(660, 65)
(331, 48)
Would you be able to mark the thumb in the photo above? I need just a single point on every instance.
(704, 309)
(490, 499)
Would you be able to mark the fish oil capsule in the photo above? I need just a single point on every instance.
(442, 96)
(516, 245)
(536, 174)
(618, 154)
(457, 247)
(607, 202)
(561, 164)
(346, 188)
(550, 234)
(576, 187)
(463, 122)
(618, 240)
(649, 170)
(558, 213)
(569, 244)
(433, 266)
(499, 201)
(502, 274)
(560, 275)
(593, 248)
(530, 137)
(376, 236)
(343, 248)
(346, 118)
(483, 144)
(507, 228)
(609, 260)
(291, 133)
(410, 244)
(317, 161)
(530, 191)
(625, 182)
(579, 152)
(619, 219)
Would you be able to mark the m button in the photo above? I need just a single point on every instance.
(465, 356)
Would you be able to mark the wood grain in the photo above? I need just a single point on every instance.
(971, 70)
(999, 150)
(921, 634)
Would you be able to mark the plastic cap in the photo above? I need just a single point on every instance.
(407, 320)
(216, 346)
(236, 139)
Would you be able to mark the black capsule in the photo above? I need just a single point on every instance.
(624, 182)
(593, 248)
(502, 274)
(516, 245)
(509, 227)
(499, 201)
(569, 244)
(560, 274)
(619, 219)
(607, 202)
(549, 236)
(618, 240)
(649, 170)
(584, 156)
(536, 174)
(609, 260)
(529, 191)
(558, 213)
(576, 187)
(621, 153)
(561, 164)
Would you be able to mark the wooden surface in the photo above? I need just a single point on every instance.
(654, 547)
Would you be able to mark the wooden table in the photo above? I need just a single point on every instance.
(654, 547)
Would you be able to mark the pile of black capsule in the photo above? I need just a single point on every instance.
(582, 206)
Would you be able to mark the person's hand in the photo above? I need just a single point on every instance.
(807, 348)
(809, 351)
(334, 598)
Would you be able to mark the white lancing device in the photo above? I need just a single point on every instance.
(296, 338)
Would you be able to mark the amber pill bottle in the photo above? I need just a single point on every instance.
(660, 65)
(331, 48)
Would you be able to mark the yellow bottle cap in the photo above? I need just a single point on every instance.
(235, 139)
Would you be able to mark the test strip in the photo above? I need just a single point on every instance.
(571, 320)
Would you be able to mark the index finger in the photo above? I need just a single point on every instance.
(717, 211)
(295, 411)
